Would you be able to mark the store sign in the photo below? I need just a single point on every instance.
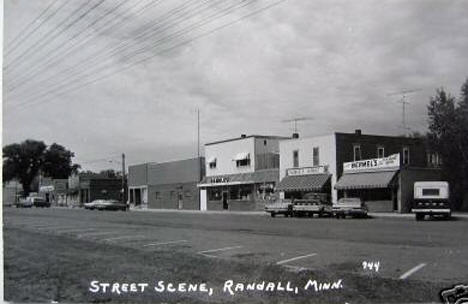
(218, 180)
(307, 170)
(385, 163)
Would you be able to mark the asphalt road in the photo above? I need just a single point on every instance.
(434, 251)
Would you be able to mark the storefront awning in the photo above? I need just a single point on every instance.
(242, 156)
(257, 177)
(310, 182)
(367, 180)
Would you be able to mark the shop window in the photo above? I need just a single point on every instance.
(234, 192)
(187, 193)
(296, 158)
(316, 156)
(243, 162)
(245, 192)
(380, 152)
(406, 156)
(265, 142)
(172, 194)
(357, 152)
(157, 194)
(214, 194)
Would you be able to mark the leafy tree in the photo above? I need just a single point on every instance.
(58, 162)
(462, 112)
(446, 135)
(23, 162)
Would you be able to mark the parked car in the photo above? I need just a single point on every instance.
(283, 206)
(92, 205)
(431, 198)
(40, 202)
(352, 206)
(312, 203)
(111, 205)
(24, 203)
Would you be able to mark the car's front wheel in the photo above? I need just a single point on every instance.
(419, 216)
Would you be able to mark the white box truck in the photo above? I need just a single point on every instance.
(431, 198)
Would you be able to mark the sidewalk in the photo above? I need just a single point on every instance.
(457, 215)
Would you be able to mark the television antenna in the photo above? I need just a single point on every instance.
(404, 102)
(294, 120)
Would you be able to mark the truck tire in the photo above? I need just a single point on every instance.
(419, 216)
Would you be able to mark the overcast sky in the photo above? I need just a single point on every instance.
(333, 61)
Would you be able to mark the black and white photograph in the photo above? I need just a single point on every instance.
(234, 151)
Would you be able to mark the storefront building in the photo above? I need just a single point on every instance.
(87, 187)
(241, 173)
(54, 191)
(168, 185)
(307, 165)
(381, 170)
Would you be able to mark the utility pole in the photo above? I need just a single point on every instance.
(123, 178)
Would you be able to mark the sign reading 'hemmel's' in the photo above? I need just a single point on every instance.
(385, 163)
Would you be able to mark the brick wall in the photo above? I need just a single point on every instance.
(369, 144)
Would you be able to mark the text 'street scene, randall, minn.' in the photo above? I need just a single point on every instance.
(242, 151)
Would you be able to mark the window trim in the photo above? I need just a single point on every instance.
(407, 162)
(316, 157)
(354, 152)
(383, 151)
(295, 158)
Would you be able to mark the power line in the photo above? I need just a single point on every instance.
(14, 43)
(53, 60)
(43, 43)
(100, 54)
(255, 12)
(110, 64)
(61, 45)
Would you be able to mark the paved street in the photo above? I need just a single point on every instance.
(399, 249)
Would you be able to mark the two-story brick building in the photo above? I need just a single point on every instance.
(379, 169)
(241, 173)
(168, 185)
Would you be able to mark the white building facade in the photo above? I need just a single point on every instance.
(241, 173)
(308, 165)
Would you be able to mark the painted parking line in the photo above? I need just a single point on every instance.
(77, 230)
(219, 249)
(294, 259)
(56, 227)
(123, 237)
(412, 270)
(165, 243)
(95, 234)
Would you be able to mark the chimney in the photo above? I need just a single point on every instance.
(357, 131)
(243, 136)
(295, 135)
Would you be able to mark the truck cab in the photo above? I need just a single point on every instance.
(431, 198)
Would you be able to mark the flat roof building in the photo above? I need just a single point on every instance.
(167, 185)
(241, 173)
(379, 169)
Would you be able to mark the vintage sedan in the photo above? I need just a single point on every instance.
(114, 205)
(352, 206)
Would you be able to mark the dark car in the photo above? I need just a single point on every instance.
(40, 202)
(110, 205)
